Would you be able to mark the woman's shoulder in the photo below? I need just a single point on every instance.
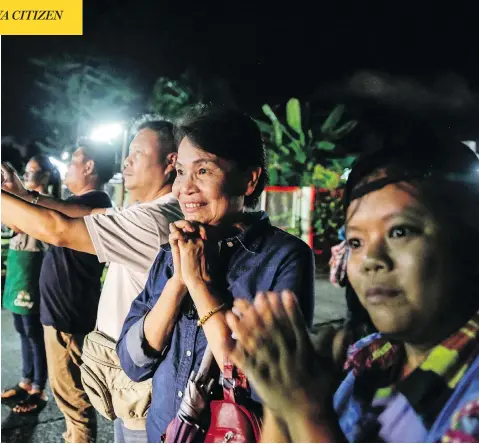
(460, 416)
(163, 258)
(273, 235)
(464, 423)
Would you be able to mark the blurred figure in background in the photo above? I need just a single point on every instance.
(69, 281)
(22, 295)
(127, 238)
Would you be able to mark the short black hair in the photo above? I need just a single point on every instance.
(165, 132)
(229, 134)
(163, 128)
(417, 152)
(103, 156)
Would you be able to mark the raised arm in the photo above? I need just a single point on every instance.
(69, 209)
(147, 331)
(14, 185)
(46, 225)
(195, 274)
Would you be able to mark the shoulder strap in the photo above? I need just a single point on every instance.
(234, 381)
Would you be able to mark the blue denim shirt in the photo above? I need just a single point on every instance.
(262, 258)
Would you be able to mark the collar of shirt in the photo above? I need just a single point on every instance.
(249, 239)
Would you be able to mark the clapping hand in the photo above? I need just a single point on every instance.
(274, 350)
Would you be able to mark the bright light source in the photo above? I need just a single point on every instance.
(106, 133)
(471, 144)
(346, 173)
(62, 168)
(65, 155)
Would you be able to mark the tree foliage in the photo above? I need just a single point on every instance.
(298, 154)
(171, 98)
(80, 92)
(301, 153)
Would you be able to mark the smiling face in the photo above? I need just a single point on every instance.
(400, 262)
(206, 186)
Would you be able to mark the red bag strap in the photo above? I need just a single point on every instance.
(235, 383)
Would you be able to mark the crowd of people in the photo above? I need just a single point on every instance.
(195, 269)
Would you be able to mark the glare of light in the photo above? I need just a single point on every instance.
(65, 155)
(471, 144)
(346, 173)
(106, 133)
(62, 168)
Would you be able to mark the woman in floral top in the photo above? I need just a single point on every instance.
(412, 232)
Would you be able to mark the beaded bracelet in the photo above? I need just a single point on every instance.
(208, 315)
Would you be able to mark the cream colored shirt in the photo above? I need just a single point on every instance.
(129, 239)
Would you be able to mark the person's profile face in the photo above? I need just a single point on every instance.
(205, 185)
(398, 261)
(143, 164)
(76, 169)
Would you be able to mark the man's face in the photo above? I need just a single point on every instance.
(78, 169)
(144, 168)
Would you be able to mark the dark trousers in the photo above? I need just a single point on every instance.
(33, 349)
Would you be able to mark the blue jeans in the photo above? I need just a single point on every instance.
(33, 349)
(122, 434)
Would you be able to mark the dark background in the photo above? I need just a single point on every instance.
(266, 52)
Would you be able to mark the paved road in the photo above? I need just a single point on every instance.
(49, 425)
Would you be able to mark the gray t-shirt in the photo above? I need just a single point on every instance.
(129, 239)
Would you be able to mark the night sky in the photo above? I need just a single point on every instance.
(266, 54)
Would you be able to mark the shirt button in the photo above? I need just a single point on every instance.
(180, 394)
(188, 353)
(230, 244)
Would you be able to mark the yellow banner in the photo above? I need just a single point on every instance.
(41, 17)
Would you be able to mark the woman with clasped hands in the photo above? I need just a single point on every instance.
(218, 253)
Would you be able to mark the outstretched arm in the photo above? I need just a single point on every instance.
(13, 185)
(69, 209)
(46, 225)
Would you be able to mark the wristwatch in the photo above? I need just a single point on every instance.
(35, 195)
